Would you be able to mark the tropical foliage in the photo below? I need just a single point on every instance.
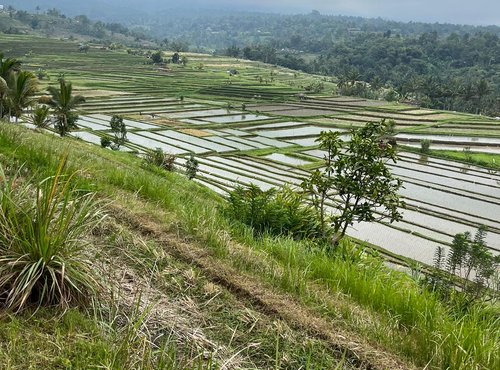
(64, 103)
(278, 212)
(355, 178)
(42, 257)
(40, 116)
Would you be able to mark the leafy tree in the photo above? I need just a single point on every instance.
(191, 167)
(156, 57)
(63, 102)
(356, 171)
(119, 131)
(175, 58)
(319, 184)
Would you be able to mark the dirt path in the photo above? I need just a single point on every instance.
(261, 295)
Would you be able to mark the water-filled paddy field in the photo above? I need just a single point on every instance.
(443, 197)
(269, 143)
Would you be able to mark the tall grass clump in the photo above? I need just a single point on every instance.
(42, 259)
(160, 159)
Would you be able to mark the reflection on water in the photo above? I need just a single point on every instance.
(423, 159)
(465, 168)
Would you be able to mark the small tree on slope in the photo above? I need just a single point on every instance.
(356, 178)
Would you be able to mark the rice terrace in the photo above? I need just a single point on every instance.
(230, 298)
(272, 142)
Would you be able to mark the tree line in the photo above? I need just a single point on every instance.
(455, 72)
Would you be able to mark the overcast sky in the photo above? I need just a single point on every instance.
(450, 11)
(477, 12)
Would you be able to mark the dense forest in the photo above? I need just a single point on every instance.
(444, 66)
(53, 23)
(440, 66)
(454, 72)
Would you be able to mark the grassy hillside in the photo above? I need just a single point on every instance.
(176, 270)
(182, 286)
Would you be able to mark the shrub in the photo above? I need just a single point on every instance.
(191, 167)
(425, 146)
(161, 159)
(106, 141)
(278, 212)
(41, 248)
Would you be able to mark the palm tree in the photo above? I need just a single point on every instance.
(40, 116)
(8, 65)
(22, 88)
(353, 76)
(4, 88)
(64, 104)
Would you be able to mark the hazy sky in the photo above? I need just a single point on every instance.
(478, 12)
(451, 11)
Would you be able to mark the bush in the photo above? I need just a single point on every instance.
(41, 249)
(161, 159)
(278, 212)
(106, 141)
(425, 146)
(191, 167)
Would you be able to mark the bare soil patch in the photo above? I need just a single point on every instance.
(194, 132)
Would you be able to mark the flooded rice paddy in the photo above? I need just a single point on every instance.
(443, 197)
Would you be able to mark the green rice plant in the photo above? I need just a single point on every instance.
(42, 260)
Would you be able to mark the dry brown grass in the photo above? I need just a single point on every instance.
(195, 132)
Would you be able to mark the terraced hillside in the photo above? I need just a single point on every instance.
(253, 128)
(189, 289)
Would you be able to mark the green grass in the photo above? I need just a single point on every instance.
(488, 160)
(75, 340)
(427, 331)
